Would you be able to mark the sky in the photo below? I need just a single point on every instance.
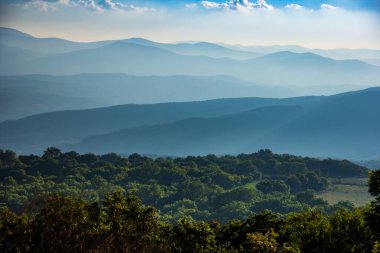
(309, 23)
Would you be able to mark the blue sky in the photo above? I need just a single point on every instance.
(315, 4)
(368, 5)
(311, 23)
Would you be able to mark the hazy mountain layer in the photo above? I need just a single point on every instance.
(142, 57)
(283, 68)
(35, 133)
(337, 53)
(26, 95)
(199, 48)
(16, 39)
(22, 41)
(344, 126)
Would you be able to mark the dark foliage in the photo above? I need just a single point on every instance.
(121, 223)
(201, 188)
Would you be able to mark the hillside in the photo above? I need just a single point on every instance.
(35, 133)
(335, 127)
(193, 198)
(208, 183)
(23, 41)
(198, 48)
(198, 136)
(11, 55)
(142, 57)
(41, 93)
(348, 126)
(16, 39)
(326, 126)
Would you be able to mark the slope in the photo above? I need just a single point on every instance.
(283, 68)
(222, 135)
(197, 49)
(344, 126)
(40, 93)
(14, 38)
(35, 133)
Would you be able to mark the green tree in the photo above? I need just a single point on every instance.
(270, 186)
(373, 214)
(52, 152)
(192, 236)
(130, 227)
(14, 232)
(309, 231)
(263, 243)
(65, 224)
(349, 232)
(294, 183)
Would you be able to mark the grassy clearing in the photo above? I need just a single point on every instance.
(341, 189)
(251, 185)
(350, 181)
(351, 189)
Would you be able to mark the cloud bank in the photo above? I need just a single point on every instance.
(238, 5)
(294, 7)
(329, 7)
(121, 6)
(93, 5)
(246, 5)
(248, 22)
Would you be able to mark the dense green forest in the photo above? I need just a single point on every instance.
(122, 224)
(200, 188)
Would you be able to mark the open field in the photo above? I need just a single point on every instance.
(351, 189)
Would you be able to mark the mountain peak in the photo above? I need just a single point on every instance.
(141, 41)
(289, 54)
(14, 32)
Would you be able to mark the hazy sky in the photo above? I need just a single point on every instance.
(311, 23)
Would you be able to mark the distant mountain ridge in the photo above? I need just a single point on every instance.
(198, 48)
(342, 126)
(14, 38)
(195, 136)
(337, 53)
(21, 40)
(142, 57)
(72, 84)
(22, 96)
(34, 133)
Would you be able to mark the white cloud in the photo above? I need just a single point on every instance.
(117, 6)
(109, 5)
(315, 29)
(89, 4)
(329, 7)
(294, 7)
(65, 2)
(191, 6)
(263, 4)
(93, 5)
(39, 5)
(243, 5)
(213, 5)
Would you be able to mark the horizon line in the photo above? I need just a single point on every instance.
(184, 41)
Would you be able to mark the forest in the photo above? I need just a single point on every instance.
(200, 188)
(260, 202)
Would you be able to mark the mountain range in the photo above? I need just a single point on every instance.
(141, 57)
(345, 125)
(364, 54)
(177, 99)
(22, 96)
(34, 133)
